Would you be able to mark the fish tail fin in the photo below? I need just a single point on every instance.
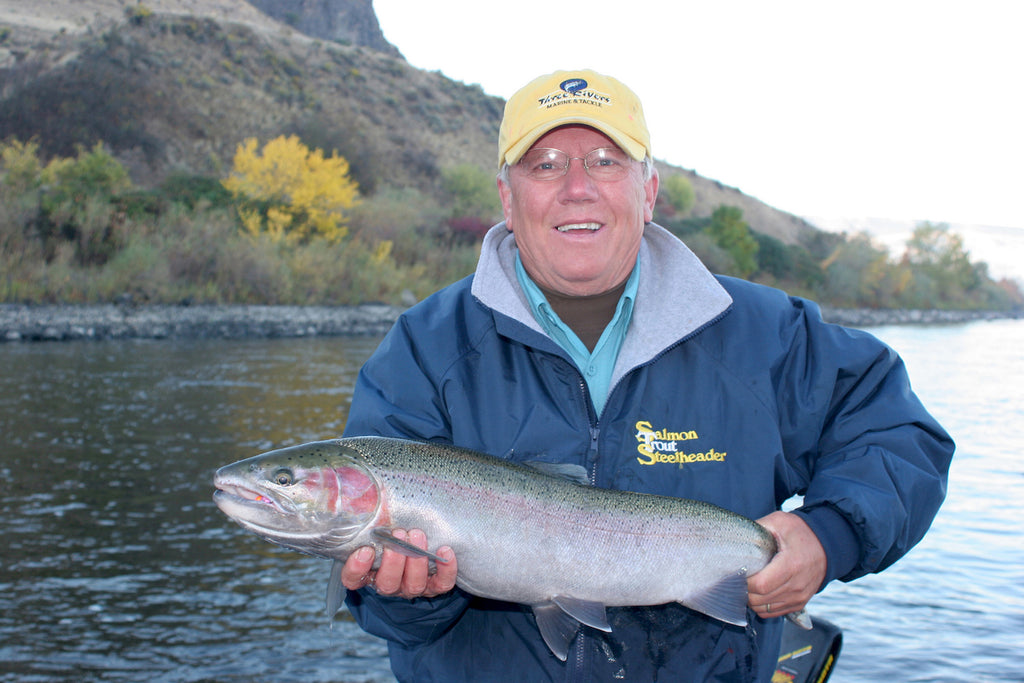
(801, 619)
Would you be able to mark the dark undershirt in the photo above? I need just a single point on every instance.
(587, 316)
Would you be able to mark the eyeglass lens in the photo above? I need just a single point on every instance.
(604, 163)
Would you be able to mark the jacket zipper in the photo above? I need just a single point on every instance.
(595, 432)
(578, 672)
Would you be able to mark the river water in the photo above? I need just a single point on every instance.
(116, 566)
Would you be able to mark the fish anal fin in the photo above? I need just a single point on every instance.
(559, 620)
(591, 613)
(389, 540)
(725, 601)
(557, 628)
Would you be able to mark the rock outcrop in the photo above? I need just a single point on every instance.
(352, 22)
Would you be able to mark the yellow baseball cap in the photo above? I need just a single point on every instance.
(567, 97)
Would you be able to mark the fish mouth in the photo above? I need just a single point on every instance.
(260, 514)
(240, 495)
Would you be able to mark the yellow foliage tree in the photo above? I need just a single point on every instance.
(291, 192)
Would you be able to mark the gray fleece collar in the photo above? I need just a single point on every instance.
(676, 297)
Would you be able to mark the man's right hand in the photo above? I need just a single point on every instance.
(399, 575)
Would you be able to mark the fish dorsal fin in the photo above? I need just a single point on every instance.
(562, 470)
(402, 547)
(590, 613)
(725, 601)
(556, 627)
(335, 591)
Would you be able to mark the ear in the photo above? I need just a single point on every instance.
(505, 193)
(650, 195)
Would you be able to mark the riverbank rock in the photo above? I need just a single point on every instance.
(69, 322)
(875, 317)
(65, 322)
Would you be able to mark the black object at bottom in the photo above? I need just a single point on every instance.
(808, 656)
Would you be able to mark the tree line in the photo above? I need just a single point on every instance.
(934, 271)
(288, 225)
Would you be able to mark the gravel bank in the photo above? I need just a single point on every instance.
(67, 322)
(61, 322)
(873, 317)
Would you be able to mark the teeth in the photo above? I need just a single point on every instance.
(579, 226)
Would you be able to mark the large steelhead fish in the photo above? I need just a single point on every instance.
(521, 535)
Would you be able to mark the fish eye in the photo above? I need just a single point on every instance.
(283, 477)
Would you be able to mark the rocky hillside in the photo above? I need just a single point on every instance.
(175, 85)
(351, 22)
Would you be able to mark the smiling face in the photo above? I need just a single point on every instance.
(576, 235)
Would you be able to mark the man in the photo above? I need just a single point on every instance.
(589, 335)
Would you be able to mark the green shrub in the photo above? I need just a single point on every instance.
(194, 191)
(678, 192)
(471, 191)
(732, 234)
(138, 14)
(773, 256)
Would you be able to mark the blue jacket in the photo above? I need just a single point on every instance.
(724, 391)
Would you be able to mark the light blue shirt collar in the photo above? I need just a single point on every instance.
(595, 367)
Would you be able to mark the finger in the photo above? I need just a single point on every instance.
(414, 578)
(770, 579)
(444, 580)
(789, 596)
(356, 572)
(765, 587)
(392, 566)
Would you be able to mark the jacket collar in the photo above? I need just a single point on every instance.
(677, 295)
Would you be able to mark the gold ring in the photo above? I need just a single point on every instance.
(768, 607)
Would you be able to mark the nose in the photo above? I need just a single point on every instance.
(577, 185)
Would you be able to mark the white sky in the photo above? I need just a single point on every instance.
(899, 109)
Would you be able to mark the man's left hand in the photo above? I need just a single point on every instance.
(796, 572)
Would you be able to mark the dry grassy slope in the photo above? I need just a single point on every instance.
(76, 16)
(180, 91)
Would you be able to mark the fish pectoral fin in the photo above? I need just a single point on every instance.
(725, 601)
(590, 613)
(557, 628)
(335, 591)
(399, 546)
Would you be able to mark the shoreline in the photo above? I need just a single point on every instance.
(69, 322)
(877, 317)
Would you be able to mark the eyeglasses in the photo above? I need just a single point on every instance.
(604, 164)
